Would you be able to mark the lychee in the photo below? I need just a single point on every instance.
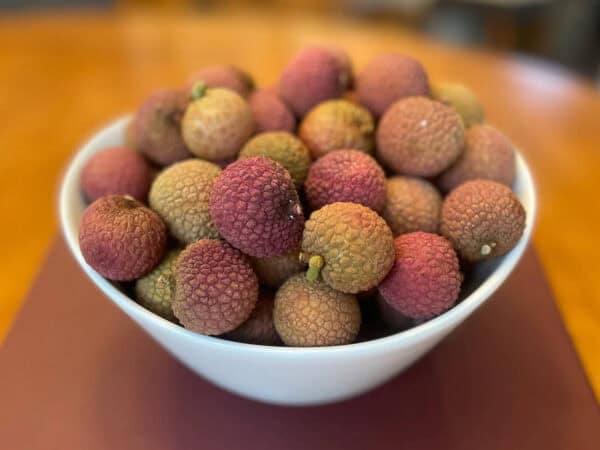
(312, 76)
(310, 313)
(346, 176)
(345, 64)
(217, 123)
(155, 290)
(274, 270)
(425, 280)
(460, 98)
(116, 170)
(215, 287)
(390, 77)
(156, 127)
(270, 113)
(350, 245)
(488, 154)
(225, 76)
(120, 238)
(337, 124)
(419, 137)
(413, 204)
(482, 219)
(180, 195)
(283, 147)
(256, 208)
(259, 327)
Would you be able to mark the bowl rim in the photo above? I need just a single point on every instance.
(449, 319)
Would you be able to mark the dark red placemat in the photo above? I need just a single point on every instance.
(77, 374)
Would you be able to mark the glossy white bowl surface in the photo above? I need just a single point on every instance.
(282, 375)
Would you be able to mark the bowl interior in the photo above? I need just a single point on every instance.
(482, 282)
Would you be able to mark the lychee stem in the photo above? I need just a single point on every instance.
(315, 263)
(198, 90)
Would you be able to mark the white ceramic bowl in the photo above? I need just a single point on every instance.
(282, 375)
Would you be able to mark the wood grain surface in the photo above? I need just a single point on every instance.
(62, 76)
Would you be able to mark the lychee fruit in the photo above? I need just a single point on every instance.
(312, 76)
(350, 245)
(215, 287)
(420, 137)
(488, 154)
(310, 313)
(270, 113)
(482, 219)
(345, 64)
(413, 204)
(388, 78)
(425, 280)
(283, 147)
(116, 170)
(461, 98)
(346, 176)
(225, 76)
(259, 327)
(180, 195)
(337, 124)
(256, 208)
(156, 128)
(120, 238)
(272, 271)
(155, 290)
(217, 123)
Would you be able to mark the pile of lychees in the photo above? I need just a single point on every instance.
(305, 212)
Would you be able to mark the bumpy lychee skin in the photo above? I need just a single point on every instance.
(217, 123)
(155, 290)
(256, 208)
(488, 154)
(259, 328)
(337, 124)
(283, 147)
(273, 271)
(420, 137)
(351, 246)
(116, 170)
(180, 195)
(215, 287)
(311, 314)
(390, 77)
(312, 76)
(460, 98)
(120, 238)
(482, 219)
(156, 128)
(226, 76)
(425, 280)
(270, 112)
(346, 176)
(413, 204)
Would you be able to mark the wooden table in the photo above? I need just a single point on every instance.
(64, 76)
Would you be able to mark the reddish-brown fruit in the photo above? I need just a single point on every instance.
(413, 204)
(310, 313)
(156, 128)
(482, 219)
(259, 328)
(228, 77)
(346, 176)
(256, 208)
(273, 271)
(488, 154)
(270, 112)
(215, 287)
(312, 76)
(116, 170)
(425, 280)
(390, 77)
(420, 137)
(345, 64)
(120, 238)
